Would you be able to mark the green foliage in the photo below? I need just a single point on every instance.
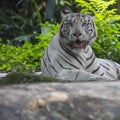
(20, 18)
(108, 25)
(19, 21)
(28, 56)
(53, 9)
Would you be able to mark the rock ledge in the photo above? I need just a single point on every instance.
(61, 101)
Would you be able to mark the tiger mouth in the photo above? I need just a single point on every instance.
(78, 44)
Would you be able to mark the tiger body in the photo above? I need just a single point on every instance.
(69, 55)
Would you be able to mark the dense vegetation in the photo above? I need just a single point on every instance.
(25, 33)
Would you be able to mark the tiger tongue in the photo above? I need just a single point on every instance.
(78, 44)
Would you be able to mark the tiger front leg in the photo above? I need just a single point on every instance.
(77, 75)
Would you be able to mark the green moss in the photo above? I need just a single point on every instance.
(24, 77)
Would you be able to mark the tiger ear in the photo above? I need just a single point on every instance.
(65, 13)
(91, 14)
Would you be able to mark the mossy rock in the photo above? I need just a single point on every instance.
(24, 77)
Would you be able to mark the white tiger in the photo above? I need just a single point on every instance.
(69, 55)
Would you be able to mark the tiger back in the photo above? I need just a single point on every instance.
(69, 55)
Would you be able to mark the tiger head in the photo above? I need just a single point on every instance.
(78, 29)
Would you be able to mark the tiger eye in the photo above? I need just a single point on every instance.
(83, 24)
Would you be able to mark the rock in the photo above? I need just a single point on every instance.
(61, 101)
(5, 74)
(25, 77)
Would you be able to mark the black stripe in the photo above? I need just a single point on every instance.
(45, 64)
(93, 25)
(48, 55)
(117, 70)
(73, 55)
(63, 66)
(94, 31)
(90, 56)
(69, 52)
(54, 69)
(102, 74)
(110, 75)
(91, 63)
(76, 76)
(50, 61)
(96, 70)
(64, 55)
(93, 36)
(62, 25)
(61, 34)
(107, 63)
(68, 62)
(105, 67)
(115, 64)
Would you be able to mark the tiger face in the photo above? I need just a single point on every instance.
(78, 29)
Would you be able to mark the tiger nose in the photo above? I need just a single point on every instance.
(77, 34)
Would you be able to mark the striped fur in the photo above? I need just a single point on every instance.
(70, 56)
